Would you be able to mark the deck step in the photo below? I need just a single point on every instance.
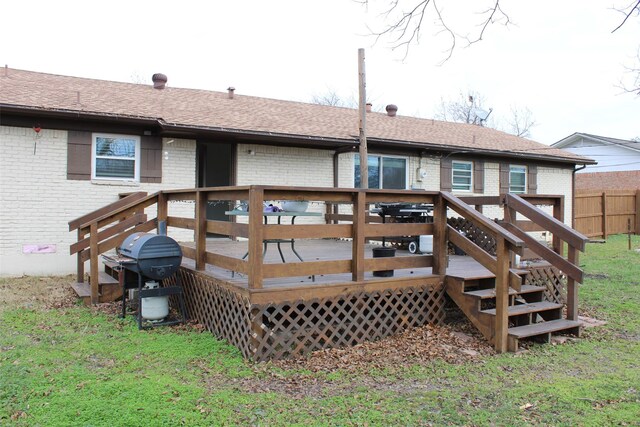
(82, 289)
(491, 293)
(535, 307)
(105, 278)
(543, 328)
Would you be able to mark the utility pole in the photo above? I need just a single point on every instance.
(362, 112)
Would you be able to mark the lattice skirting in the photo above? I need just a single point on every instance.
(276, 331)
(552, 279)
(473, 233)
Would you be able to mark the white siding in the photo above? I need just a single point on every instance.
(37, 201)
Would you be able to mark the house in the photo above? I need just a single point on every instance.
(618, 161)
(70, 145)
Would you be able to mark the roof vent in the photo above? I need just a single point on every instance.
(391, 110)
(231, 90)
(159, 81)
(368, 106)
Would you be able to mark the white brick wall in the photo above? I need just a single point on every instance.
(37, 201)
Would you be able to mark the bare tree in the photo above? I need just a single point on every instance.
(521, 121)
(330, 97)
(466, 109)
(472, 109)
(405, 20)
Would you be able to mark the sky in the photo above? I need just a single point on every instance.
(560, 60)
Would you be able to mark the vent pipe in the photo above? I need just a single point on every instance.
(159, 81)
(391, 110)
(231, 90)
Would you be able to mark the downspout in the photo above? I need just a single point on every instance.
(573, 195)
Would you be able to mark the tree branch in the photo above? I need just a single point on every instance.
(635, 7)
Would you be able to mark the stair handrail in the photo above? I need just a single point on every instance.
(575, 240)
(499, 265)
(129, 215)
(86, 218)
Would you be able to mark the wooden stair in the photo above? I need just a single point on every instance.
(530, 316)
(109, 288)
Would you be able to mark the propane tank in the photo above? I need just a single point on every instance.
(154, 308)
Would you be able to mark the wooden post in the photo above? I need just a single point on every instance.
(558, 213)
(572, 287)
(362, 112)
(256, 233)
(163, 208)
(638, 212)
(93, 263)
(357, 251)
(440, 248)
(201, 230)
(502, 296)
(510, 216)
(80, 266)
(604, 215)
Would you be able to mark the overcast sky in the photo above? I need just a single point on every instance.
(559, 58)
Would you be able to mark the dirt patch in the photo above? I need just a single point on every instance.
(37, 292)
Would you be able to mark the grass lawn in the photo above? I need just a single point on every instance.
(80, 366)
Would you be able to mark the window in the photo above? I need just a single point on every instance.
(517, 179)
(115, 157)
(461, 176)
(384, 172)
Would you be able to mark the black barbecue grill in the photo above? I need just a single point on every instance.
(404, 213)
(144, 257)
(154, 256)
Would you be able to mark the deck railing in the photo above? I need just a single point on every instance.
(562, 234)
(106, 228)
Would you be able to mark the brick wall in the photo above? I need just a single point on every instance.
(37, 201)
(600, 181)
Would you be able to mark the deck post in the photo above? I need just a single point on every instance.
(439, 236)
(558, 213)
(502, 296)
(201, 230)
(357, 252)
(256, 233)
(93, 263)
(510, 217)
(572, 287)
(80, 262)
(163, 212)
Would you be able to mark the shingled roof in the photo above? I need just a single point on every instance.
(214, 111)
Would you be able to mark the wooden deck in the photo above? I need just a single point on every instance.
(464, 267)
(278, 305)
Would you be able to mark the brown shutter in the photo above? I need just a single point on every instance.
(445, 175)
(504, 178)
(532, 179)
(151, 159)
(79, 155)
(478, 176)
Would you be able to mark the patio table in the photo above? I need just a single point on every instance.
(279, 215)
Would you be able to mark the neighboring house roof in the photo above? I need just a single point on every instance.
(178, 109)
(577, 137)
(625, 180)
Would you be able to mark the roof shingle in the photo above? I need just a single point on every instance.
(208, 109)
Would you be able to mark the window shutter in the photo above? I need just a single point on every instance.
(504, 178)
(445, 175)
(151, 159)
(532, 179)
(478, 176)
(79, 155)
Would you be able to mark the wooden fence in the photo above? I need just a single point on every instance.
(602, 213)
